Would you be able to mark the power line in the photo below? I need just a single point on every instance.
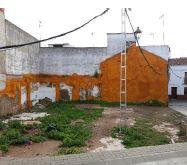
(169, 66)
(140, 47)
(56, 36)
(143, 53)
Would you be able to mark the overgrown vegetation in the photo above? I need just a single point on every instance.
(70, 125)
(141, 134)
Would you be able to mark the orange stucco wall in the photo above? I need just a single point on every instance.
(143, 83)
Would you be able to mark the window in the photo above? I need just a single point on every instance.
(185, 90)
(185, 78)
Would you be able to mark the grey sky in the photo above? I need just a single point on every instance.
(58, 16)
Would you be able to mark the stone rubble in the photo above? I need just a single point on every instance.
(27, 116)
(168, 127)
(110, 144)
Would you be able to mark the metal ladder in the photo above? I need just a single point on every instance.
(123, 67)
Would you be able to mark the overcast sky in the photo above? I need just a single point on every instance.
(58, 16)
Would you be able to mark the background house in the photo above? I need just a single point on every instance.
(178, 78)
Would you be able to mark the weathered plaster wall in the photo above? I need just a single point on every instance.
(116, 42)
(143, 83)
(2, 53)
(67, 60)
(160, 50)
(22, 60)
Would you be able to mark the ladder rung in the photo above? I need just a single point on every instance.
(123, 105)
(123, 66)
(123, 79)
(123, 92)
(123, 53)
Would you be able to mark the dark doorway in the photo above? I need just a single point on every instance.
(173, 92)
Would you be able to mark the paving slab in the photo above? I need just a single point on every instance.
(180, 106)
(152, 155)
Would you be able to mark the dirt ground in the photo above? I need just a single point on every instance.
(102, 128)
(49, 147)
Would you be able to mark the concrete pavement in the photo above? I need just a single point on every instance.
(153, 155)
(180, 106)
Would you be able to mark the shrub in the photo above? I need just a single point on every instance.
(96, 74)
(55, 135)
(12, 134)
(140, 136)
(4, 140)
(70, 150)
(4, 148)
(2, 125)
(15, 124)
(37, 138)
(154, 103)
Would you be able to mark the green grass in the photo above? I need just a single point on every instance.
(141, 134)
(72, 126)
(108, 104)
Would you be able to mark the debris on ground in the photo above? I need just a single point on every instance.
(31, 122)
(168, 127)
(27, 116)
(109, 144)
(129, 121)
(78, 121)
(43, 103)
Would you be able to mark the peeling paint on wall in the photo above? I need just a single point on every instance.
(142, 83)
(40, 91)
(2, 81)
(23, 97)
(66, 92)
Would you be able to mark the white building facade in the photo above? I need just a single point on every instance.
(177, 88)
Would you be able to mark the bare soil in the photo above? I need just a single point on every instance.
(49, 147)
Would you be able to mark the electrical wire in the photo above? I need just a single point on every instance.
(147, 61)
(143, 53)
(169, 66)
(4, 48)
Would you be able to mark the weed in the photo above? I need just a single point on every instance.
(4, 148)
(2, 125)
(70, 150)
(37, 138)
(141, 134)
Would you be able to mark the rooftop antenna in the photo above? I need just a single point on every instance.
(93, 39)
(40, 25)
(162, 17)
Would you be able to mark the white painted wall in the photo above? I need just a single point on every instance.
(176, 81)
(23, 96)
(23, 60)
(66, 61)
(43, 92)
(162, 51)
(116, 42)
